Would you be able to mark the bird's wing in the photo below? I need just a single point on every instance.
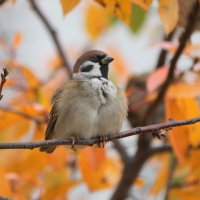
(52, 122)
(66, 91)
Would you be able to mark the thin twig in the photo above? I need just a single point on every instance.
(40, 120)
(3, 80)
(185, 184)
(53, 35)
(96, 140)
(163, 52)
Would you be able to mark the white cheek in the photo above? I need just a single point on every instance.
(94, 72)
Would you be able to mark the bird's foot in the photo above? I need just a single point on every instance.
(102, 141)
(73, 145)
(159, 134)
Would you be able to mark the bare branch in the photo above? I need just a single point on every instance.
(163, 52)
(96, 140)
(3, 80)
(53, 35)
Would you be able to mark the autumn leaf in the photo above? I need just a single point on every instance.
(96, 19)
(186, 193)
(168, 11)
(162, 175)
(5, 189)
(137, 18)
(98, 171)
(179, 105)
(17, 40)
(68, 5)
(122, 9)
(143, 3)
(157, 78)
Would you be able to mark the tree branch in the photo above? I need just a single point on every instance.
(96, 140)
(53, 35)
(163, 52)
(3, 80)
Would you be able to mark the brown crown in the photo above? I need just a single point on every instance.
(86, 56)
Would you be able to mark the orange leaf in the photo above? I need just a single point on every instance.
(156, 79)
(139, 182)
(181, 104)
(59, 158)
(29, 77)
(186, 193)
(68, 5)
(17, 40)
(97, 170)
(168, 11)
(5, 189)
(14, 126)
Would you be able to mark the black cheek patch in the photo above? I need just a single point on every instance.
(104, 71)
(87, 68)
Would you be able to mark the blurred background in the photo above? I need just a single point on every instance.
(39, 43)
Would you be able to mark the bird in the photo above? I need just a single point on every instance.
(89, 105)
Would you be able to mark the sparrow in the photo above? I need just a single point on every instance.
(89, 105)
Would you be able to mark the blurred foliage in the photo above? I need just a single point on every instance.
(25, 174)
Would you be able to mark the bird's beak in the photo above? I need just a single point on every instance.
(106, 60)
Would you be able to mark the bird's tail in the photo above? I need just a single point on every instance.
(49, 149)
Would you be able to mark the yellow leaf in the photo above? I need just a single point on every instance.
(96, 20)
(168, 11)
(162, 176)
(29, 77)
(14, 126)
(122, 9)
(143, 3)
(68, 5)
(56, 184)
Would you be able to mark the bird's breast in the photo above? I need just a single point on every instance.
(104, 89)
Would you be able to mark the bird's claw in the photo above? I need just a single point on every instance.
(73, 146)
(102, 141)
(159, 134)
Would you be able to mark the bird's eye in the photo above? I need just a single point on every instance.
(87, 68)
(94, 59)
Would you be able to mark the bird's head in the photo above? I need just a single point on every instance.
(92, 64)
